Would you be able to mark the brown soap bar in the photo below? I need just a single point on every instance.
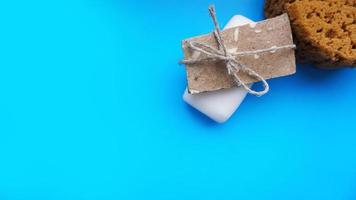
(204, 77)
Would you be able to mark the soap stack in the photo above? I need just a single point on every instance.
(220, 105)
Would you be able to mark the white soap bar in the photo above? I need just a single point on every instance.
(220, 105)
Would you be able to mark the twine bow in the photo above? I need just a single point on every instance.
(231, 60)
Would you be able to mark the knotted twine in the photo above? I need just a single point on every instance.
(231, 60)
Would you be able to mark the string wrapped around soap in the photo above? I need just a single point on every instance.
(231, 60)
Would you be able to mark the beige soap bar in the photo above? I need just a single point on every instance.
(262, 35)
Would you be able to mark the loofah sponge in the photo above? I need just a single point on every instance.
(324, 30)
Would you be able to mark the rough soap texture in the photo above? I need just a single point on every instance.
(211, 76)
(325, 30)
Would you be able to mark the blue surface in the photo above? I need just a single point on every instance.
(88, 111)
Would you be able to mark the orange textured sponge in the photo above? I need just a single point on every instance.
(324, 30)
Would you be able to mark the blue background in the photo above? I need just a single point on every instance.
(91, 108)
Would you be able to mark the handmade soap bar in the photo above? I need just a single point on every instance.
(219, 105)
(266, 36)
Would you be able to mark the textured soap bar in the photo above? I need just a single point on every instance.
(219, 105)
(267, 34)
